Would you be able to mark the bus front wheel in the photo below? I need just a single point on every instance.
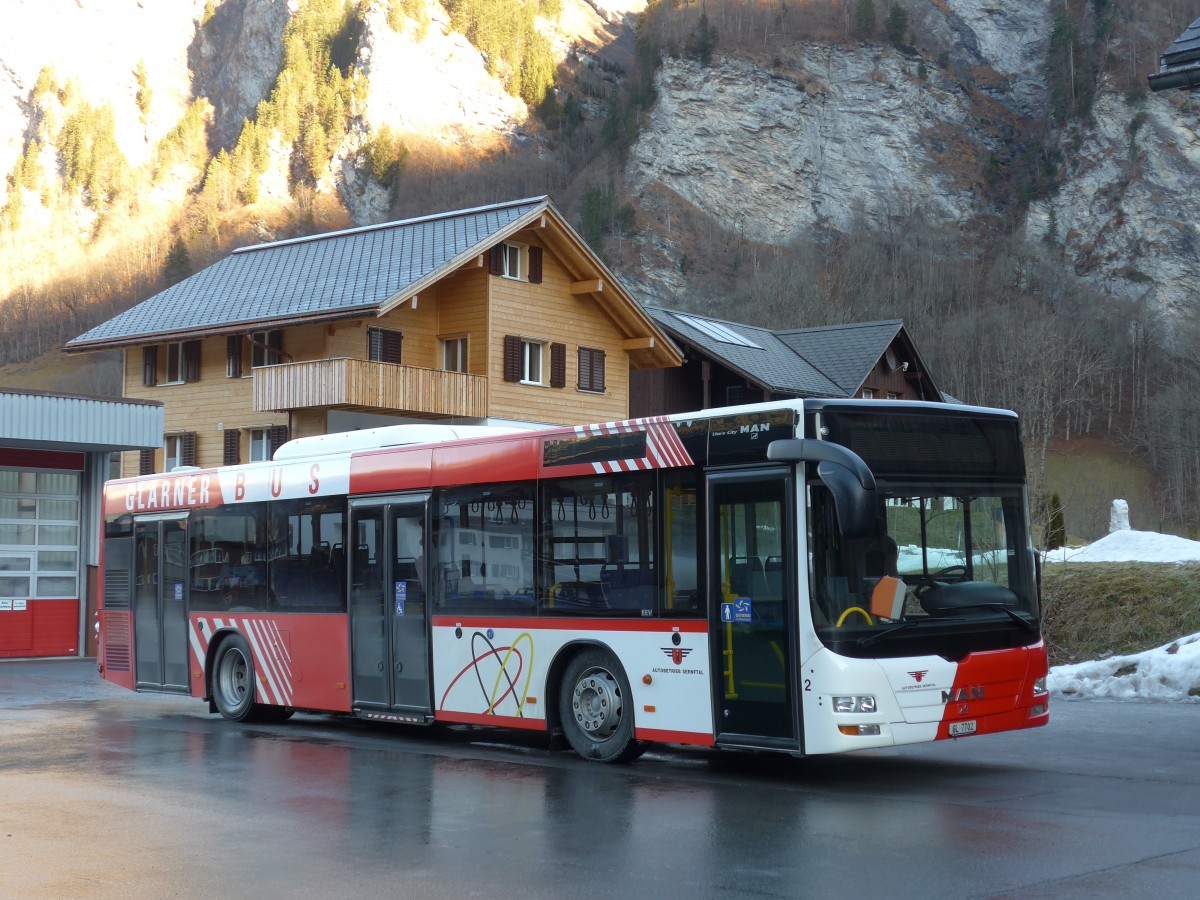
(596, 708)
(233, 679)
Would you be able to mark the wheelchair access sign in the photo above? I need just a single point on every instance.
(737, 611)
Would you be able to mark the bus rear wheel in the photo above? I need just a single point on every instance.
(596, 708)
(233, 680)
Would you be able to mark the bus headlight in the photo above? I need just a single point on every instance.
(1039, 686)
(862, 704)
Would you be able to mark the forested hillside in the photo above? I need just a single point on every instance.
(995, 174)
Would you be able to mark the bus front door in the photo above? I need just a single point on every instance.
(389, 643)
(159, 606)
(752, 602)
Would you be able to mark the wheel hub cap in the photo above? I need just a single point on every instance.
(596, 703)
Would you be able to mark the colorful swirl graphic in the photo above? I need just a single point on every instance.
(507, 679)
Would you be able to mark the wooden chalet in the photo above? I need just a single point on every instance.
(728, 363)
(494, 315)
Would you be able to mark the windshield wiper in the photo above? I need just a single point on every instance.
(1007, 610)
(878, 636)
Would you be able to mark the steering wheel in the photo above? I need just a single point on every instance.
(948, 575)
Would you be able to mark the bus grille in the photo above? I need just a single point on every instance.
(116, 642)
(117, 592)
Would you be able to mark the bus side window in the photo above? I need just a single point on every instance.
(483, 555)
(599, 544)
(681, 514)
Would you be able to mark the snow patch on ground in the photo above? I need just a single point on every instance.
(1169, 672)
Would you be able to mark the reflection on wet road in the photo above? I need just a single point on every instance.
(111, 794)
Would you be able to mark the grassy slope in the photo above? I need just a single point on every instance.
(1095, 610)
(1089, 474)
(91, 374)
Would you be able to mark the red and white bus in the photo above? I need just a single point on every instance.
(803, 576)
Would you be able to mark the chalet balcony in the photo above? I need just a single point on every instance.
(361, 384)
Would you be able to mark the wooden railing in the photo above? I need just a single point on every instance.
(359, 383)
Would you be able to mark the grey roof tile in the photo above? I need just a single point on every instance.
(322, 275)
(844, 353)
(773, 363)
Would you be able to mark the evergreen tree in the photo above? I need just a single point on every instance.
(178, 265)
(896, 24)
(864, 18)
(702, 41)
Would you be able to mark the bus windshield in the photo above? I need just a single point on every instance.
(948, 568)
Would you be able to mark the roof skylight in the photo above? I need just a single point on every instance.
(718, 331)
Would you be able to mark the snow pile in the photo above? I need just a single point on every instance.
(1131, 546)
(1170, 672)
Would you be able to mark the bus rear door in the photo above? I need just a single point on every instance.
(160, 624)
(751, 581)
(389, 638)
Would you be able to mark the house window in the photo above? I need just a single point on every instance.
(892, 395)
(524, 360)
(531, 361)
(265, 348)
(174, 371)
(868, 393)
(512, 260)
(179, 450)
(591, 369)
(454, 354)
(384, 345)
(260, 444)
(182, 360)
(173, 452)
(233, 356)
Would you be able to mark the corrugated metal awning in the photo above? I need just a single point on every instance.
(33, 420)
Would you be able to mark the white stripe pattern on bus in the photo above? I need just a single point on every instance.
(273, 670)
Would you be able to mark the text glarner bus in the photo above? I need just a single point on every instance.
(803, 576)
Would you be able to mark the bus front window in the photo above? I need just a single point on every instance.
(941, 561)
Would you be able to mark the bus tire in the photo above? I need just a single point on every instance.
(233, 680)
(595, 707)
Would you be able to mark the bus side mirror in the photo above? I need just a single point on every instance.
(843, 471)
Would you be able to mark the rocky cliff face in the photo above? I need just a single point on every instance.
(822, 134)
(235, 59)
(1126, 216)
(834, 131)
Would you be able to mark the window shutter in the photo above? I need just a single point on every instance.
(191, 361)
(188, 450)
(384, 345)
(150, 368)
(279, 437)
(535, 265)
(233, 450)
(496, 260)
(591, 369)
(558, 365)
(585, 369)
(146, 462)
(512, 358)
(233, 356)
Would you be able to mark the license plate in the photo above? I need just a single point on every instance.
(957, 729)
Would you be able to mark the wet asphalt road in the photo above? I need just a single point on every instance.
(105, 793)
